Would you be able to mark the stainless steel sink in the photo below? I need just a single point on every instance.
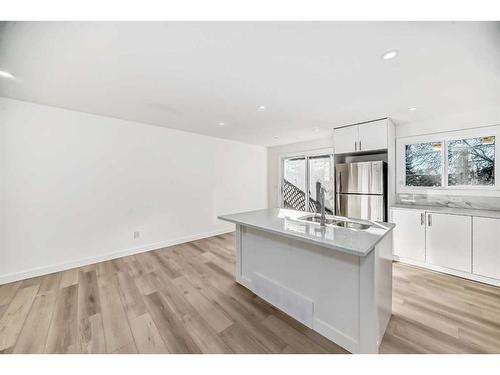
(317, 219)
(352, 225)
(335, 222)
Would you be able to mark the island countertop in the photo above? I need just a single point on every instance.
(285, 223)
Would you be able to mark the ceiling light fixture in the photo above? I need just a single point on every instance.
(221, 124)
(6, 74)
(390, 54)
(276, 137)
(412, 109)
(262, 107)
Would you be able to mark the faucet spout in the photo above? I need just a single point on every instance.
(322, 203)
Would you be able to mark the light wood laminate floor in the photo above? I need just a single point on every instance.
(183, 299)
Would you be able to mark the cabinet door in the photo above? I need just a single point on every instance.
(448, 241)
(345, 139)
(409, 234)
(373, 136)
(486, 247)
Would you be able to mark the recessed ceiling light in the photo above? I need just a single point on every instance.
(6, 74)
(412, 109)
(221, 124)
(262, 107)
(276, 137)
(390, 54)
(316, 129)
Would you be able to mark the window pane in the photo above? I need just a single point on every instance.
(471, 161)
(321, 170)
(294, 187)
(423, 164)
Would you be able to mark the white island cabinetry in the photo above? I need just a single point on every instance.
(335, 280)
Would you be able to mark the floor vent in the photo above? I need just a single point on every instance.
(292, 303)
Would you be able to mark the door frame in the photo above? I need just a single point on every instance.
(301, 154)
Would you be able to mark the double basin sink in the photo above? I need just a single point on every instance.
(315, 218)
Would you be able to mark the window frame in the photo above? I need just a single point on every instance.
(444, 138)
(443, 144)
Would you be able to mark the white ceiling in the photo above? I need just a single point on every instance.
(311, 76)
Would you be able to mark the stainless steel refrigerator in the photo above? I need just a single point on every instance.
(361, 190)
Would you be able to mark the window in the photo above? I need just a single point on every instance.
(300, 174)
(459, 160)
(471, 161)
(423, 164)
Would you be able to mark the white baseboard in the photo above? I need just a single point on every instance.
(449, 271)
(335, 335)
(40, 271)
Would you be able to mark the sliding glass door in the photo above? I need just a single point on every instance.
(300, 176)
(294, 183)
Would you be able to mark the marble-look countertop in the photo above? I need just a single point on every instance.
(284, 223)
(450, 210)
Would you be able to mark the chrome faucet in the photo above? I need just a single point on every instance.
(321, 200)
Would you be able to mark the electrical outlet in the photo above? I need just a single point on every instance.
(137, 235)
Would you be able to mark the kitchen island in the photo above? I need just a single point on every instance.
(336, 279)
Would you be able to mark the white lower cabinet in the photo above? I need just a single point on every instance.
(449, 241)
(462, 245)
(486, 247)
(409, 234)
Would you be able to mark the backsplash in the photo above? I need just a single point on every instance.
(452, 201)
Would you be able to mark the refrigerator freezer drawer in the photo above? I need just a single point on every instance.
(367, 207)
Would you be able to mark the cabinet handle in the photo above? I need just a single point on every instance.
(429, 220)
(359, 145)
(355, 146)
(422, 218)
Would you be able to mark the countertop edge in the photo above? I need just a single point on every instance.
(477, 212)
(363, 253)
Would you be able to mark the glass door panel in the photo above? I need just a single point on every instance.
(294, 184)
(321, 170)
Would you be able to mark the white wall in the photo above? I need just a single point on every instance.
(486, 116)
(74, 187)
(273, 159)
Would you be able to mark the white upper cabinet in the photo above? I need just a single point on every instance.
(373, 136)
(363, 137)
(486, 246)
(449, 241)
(346, 139)
(409, 234)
